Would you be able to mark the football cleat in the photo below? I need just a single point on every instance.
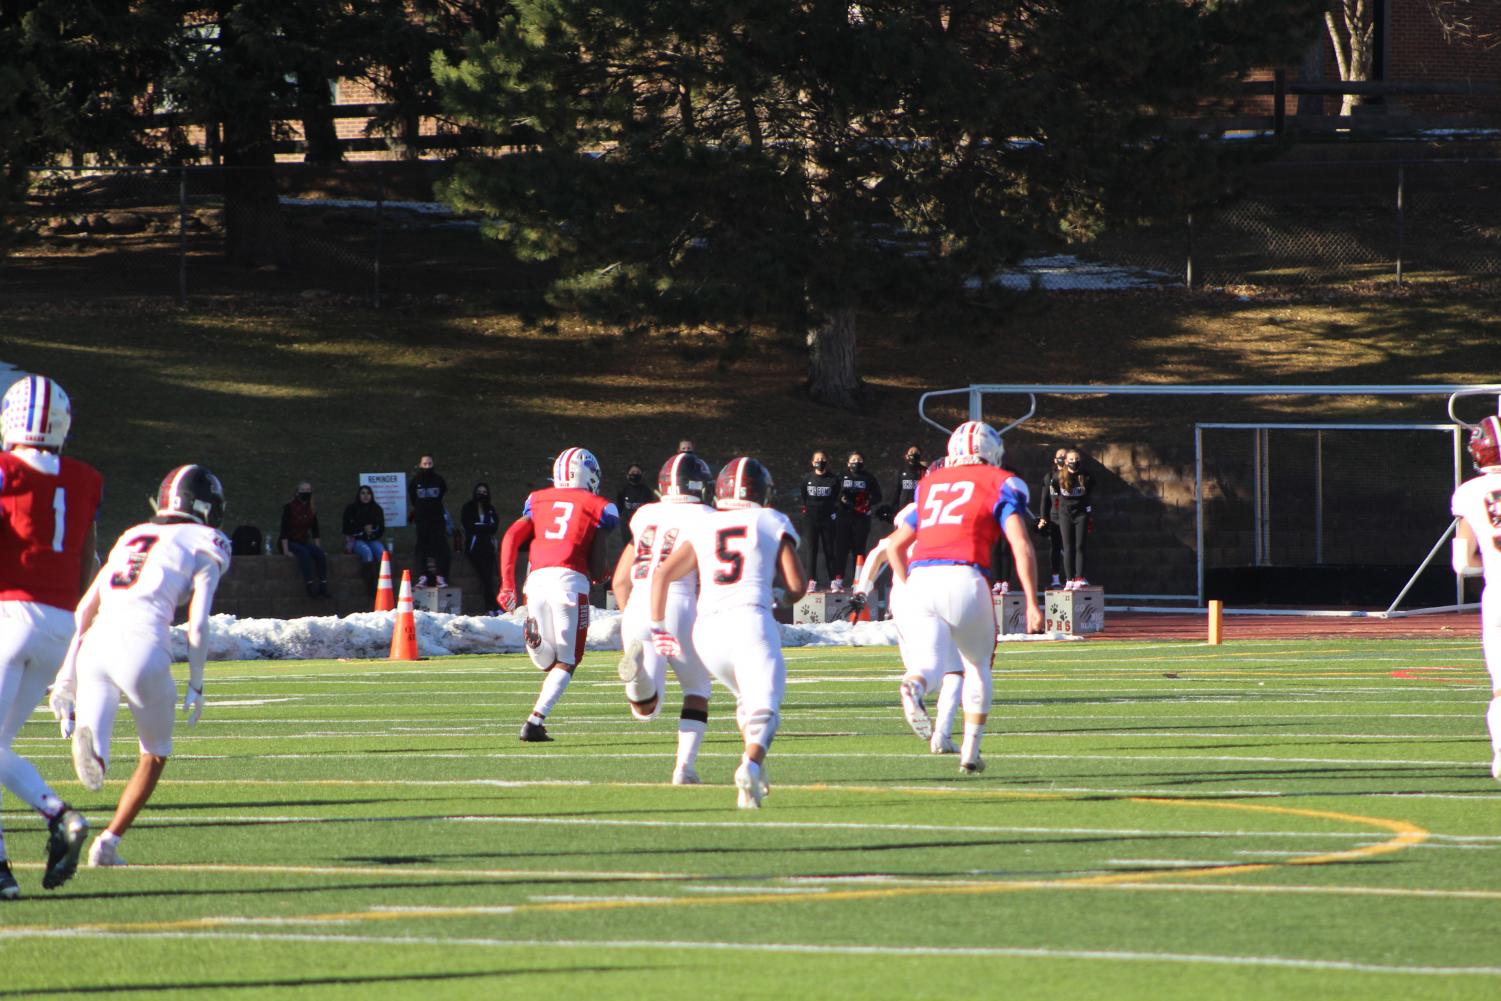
(190, 493)
(686, 479)
(9, 888)
(534, 733)
(630, 661)
(972, 766)
(975, 441)
(914, 710)
(35, 413)
(685, 775)
(744, 482)
(748, 786)
(86, 763)
(576, 467)
(66, 834)
(103, 854)
(942, 743)
(1485, 444)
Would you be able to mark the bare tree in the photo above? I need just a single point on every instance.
(1352, 30)
(1471, 24)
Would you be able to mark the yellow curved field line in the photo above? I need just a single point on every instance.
(1405, 835)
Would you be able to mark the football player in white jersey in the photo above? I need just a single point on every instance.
(738, 552)
(685, 485)
(1477, 550)
(122, 647)
(944, 672)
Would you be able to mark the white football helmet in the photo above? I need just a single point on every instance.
(35, 413)
(576, 467)
(975, 441)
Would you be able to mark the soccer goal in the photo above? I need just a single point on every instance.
(1276, 512)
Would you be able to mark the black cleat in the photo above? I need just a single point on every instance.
(534, 733)
(9, 888)
(66, 834)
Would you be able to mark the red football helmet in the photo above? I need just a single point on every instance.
(744, 482)
(685, 478)
(1485, 445)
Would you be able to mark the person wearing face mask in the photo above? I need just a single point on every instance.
(633, 495)
(425, 492)
(299, 538)
(364, 524)
(480, 525)
(907, 478)
(819, 498)
(1050, 522)
(859, 493)
(1075, 488)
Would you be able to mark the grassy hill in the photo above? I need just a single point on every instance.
(267, 393)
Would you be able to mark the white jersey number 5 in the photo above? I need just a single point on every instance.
(936, 512)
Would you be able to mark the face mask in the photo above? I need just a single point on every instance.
(913, 459)
(482, 495)
(634, 477)
(305, 496)
(1072, 465)
(820, 466)
(855, 467)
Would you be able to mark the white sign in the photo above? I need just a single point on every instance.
(390, 491)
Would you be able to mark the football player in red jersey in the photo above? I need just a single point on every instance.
(48, 536)
(959, 513)
(566, 526)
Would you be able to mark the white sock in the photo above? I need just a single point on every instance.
(641, 688)
(1493, 721)
(544, 656)
(553, 687)
(948, 703)
(972, 734)
(109, 837)
(690, 739)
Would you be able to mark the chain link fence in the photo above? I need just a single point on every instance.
(373, 231)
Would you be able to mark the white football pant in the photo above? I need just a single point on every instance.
(948, 610)
(558, 599)
(742, 648)
(138, 666)
(682, 613)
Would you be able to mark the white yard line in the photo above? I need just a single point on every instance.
(634, 947)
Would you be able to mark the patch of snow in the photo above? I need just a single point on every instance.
(422, 208)
(367, 635)
(1065, 272)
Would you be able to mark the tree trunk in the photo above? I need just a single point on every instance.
(255, 234)
(315, 107)
(832, 378)
(1354, 45)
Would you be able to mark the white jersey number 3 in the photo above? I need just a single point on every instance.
(562, 512)
(936, 512)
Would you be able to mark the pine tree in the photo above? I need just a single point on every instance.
(698, 162)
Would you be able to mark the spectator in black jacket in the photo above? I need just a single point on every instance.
(480, 524)
(1049, 522)
(906, 480)
(819, 498)
(1075, 516)
(859, 494)
(632, 495)
(425, 492)
(364, 524)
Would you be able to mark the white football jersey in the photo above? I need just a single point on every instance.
(737, 557)
(152, 570)
(1478, 502)
(657, 528)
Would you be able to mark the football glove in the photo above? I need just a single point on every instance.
(506, 599)
(192, 704)
(61, 704)
(664, 642)
(857, 601)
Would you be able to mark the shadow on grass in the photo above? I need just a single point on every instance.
(293, 983)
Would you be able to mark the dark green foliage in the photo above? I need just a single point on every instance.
(700, 162)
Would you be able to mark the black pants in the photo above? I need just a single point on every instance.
(818, 536)
(851, 532)
(1002, 566)
(1055, 550)
(482, 557)
(432, 549)
(1074, 529)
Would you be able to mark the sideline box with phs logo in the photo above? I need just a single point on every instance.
(1074, 612)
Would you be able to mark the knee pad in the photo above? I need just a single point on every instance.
(761, 726)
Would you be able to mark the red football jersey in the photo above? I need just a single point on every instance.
(563, 522)
(44, 522)
(959, 511)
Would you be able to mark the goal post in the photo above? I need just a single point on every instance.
(1283, 500)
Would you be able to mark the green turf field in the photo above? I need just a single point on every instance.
(1298, 820)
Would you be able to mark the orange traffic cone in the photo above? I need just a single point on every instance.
(404, 636)
(385, 598)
